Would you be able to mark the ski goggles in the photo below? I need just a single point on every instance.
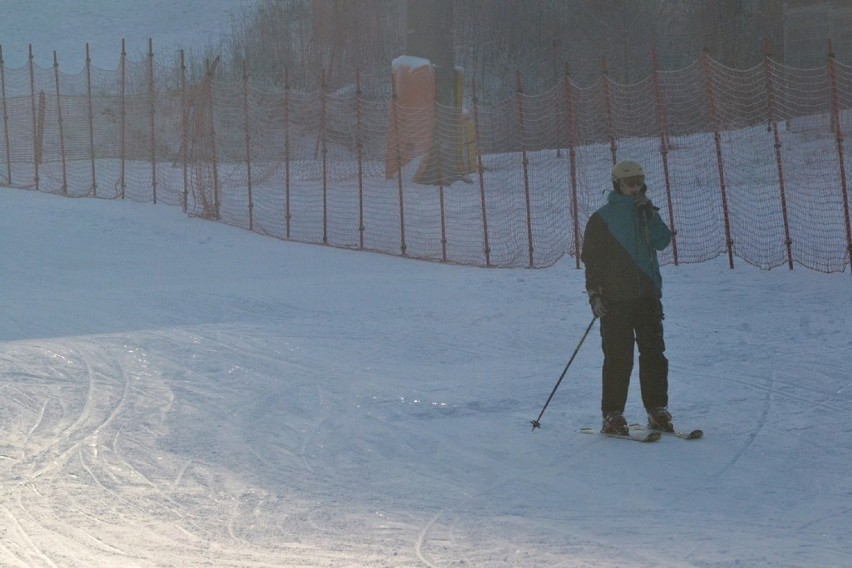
(633, 181)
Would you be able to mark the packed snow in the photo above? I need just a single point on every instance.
(177, 392)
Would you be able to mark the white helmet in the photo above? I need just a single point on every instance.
(626, 169)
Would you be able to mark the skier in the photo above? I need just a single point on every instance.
(624, 284)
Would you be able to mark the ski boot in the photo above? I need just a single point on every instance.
(614, 423)
(660, 419)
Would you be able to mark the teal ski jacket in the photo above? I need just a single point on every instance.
(620, 247)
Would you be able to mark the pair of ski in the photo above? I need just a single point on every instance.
(647, 435)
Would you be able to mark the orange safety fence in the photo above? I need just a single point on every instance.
(746, 163)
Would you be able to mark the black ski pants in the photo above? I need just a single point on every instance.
(626, 324)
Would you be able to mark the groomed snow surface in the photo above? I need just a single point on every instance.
(177, 392)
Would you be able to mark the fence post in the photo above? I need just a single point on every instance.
(555, 66)
(571, 129)
(443, 216)
(61, 125)
(217, 201)
(42, 117)
(248, 147)
(664, 151)
(152, 115)
(770, 92)
(5, 118)
(122, 140)
(711, 105)
(838, 138)
(94, 187)
(324, 149)
(440, 163)
(359, 148)
(481, 171)
(286, 154)
(395, 108)
(184, 132)
(610, 126)
(519, 94)
(37, 136)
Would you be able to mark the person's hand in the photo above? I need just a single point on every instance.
(598, 308)
(597, 303)
(643, 203)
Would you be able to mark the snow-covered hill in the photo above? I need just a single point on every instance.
(177, 392)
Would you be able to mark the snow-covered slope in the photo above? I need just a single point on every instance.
(178, 392)
(182, 393)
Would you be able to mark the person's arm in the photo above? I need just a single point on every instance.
(593, 257)
(659, 232)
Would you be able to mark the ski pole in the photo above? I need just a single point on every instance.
(536, 423)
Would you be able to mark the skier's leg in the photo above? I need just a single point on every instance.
(617, 344)
(653, 364)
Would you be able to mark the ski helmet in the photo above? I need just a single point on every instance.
(626, 169)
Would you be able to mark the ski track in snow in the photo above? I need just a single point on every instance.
(258, 403)
(179, 393)
(85, 420)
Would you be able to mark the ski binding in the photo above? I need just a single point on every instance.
(648, 437)
(691, 435)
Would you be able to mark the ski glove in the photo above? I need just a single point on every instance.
(643, 203)
(596, 301)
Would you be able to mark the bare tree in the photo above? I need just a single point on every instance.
(491, 39)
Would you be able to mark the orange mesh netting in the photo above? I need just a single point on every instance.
(746, 163)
